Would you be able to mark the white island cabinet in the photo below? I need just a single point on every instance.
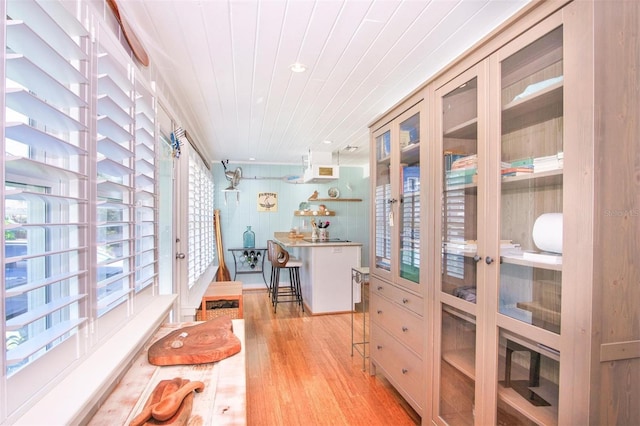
(326, 272)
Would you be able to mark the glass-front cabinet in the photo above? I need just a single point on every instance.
(531, 205)
(500, 235)
(397, 199)
(396, 302)
(461, 166)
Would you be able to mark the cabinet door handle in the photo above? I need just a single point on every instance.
(477, 258)
(489, 260)
(392, 200)
(379, 347)
(379, 311)
(379, 288)
(405, 329)
(405, 300)
(405, 371)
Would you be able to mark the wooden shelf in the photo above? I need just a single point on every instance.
(462, 360)
(466, 130)
(541, 415)
(542, 312)
(535, 180)
(538, 107)
(519, 260)
(314, 213)
(335, 199)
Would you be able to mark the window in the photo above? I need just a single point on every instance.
(201, 234)
(46, 183)
(79, 197)
(146, 230)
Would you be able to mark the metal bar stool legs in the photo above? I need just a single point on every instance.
(292, 293)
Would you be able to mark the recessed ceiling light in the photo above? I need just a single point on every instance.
(327, 142)
(298, 67)
(252, 158)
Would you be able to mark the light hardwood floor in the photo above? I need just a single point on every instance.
(300, 371)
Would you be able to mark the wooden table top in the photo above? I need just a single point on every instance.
(223, 401)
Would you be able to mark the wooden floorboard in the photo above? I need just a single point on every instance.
(300, 371)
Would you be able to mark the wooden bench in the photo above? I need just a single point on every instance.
(223, 401)
(221, 291)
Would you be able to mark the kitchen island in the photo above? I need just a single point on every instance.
(326, 271)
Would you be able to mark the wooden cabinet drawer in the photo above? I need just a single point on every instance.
(401, 323)
(397, 295)
(401, 366)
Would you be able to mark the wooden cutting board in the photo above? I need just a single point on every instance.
(163, 390)
(203, 343)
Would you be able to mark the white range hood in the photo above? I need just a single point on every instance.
(320, 168)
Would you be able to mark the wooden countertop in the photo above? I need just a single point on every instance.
(283, 238)
(223, 401)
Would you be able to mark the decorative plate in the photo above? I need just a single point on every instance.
(333, 192)
(303, 206)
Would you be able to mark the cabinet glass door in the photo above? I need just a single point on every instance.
(531, 224)
(382, 198)
(458, 108)
(457, 367)
(459, 190)
(409, 198)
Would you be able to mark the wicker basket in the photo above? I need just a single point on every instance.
(219, 308)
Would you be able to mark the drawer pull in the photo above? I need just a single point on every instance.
(379, 311)
(379, 347)
(405, 329)
(379, 288)
(405, 300)
(405, 371)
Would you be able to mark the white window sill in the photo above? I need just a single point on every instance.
(77, 396)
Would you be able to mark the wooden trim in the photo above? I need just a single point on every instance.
(619, 350)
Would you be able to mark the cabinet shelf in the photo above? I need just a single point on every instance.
(538, 310)
(541, 415)
(538, 107)
(466, 130)
(537, 180)
(519, 260)
(463, 361)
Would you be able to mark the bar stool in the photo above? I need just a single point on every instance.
(280, 260)
(270, 256)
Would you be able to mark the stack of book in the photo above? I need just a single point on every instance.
(517, 171)
(461, 176)
(450, 157)
(468, 162)
(550, 162)
(463, 170)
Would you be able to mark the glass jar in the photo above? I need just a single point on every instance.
(248, 238)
